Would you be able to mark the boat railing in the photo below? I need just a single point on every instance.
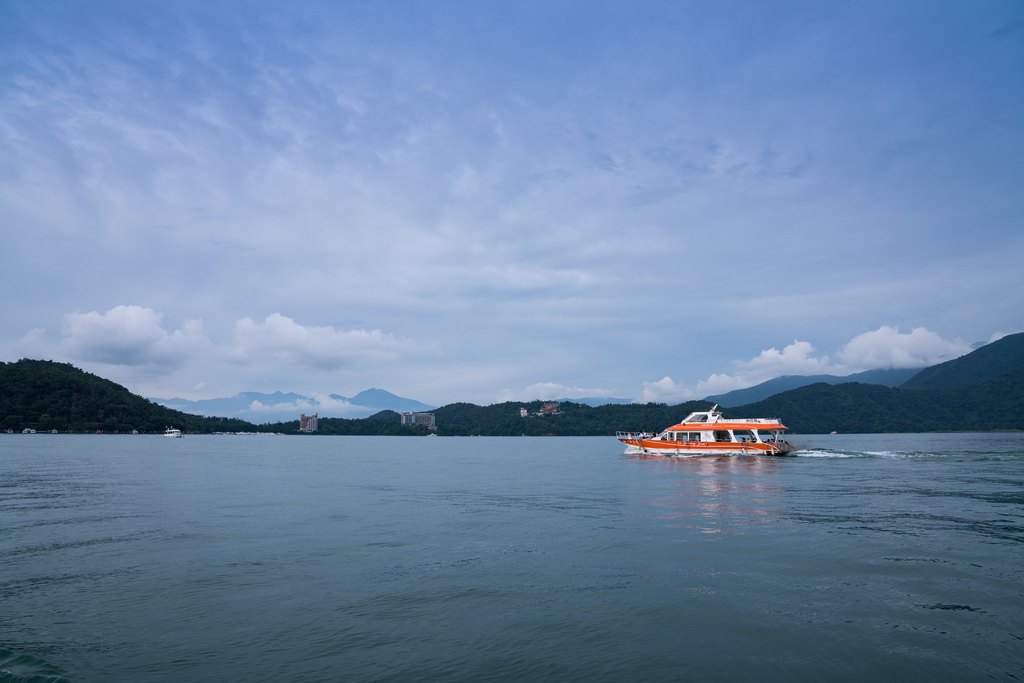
(634, 435)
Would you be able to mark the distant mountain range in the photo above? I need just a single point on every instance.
(986, 361)
(595, 401)
(260, 408)
(983, 390)
(739, 397)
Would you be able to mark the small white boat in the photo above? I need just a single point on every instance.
(172, 433)
(708, 433)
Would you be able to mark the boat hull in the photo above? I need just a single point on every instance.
(703, 448)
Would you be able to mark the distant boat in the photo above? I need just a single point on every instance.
(835, 432)
(172, 433)
(135, 431)
(26, 430)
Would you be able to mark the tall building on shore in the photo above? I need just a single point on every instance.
(308, 423)
(426, 419)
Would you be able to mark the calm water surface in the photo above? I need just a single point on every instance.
(501, 559)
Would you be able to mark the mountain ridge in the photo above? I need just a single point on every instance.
(987, 362)
(890, 377)
(995, 404)
(259, 407)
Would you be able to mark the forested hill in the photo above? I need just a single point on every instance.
(48, 395)
(988, 362)
(44, 395)
(504, 419)
(575, 419)
(994, 404)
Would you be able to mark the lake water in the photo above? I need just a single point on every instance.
(878, 557)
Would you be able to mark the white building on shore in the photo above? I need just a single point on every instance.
(425, 419)
(308, 423)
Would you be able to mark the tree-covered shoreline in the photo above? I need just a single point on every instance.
(46, 395)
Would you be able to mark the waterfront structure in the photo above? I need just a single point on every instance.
(308, 423)
(411, 419)
(522, 412)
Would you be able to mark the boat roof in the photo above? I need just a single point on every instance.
(712, 419)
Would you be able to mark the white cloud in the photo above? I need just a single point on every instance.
(323, 348)
(887, 348)
(130, 345)
(258, 407)
(129, 335)
(546, 391)
(794, 359)
(318, 403)
(882, 348)
(665, 390)
(996, 336)
(32, 344)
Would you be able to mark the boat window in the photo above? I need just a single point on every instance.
(694, 436)
(765, 434)
(696, 417)
(743, 435)
(723, 435)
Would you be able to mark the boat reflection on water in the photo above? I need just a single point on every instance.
(726, 494)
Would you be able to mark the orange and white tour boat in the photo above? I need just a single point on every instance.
(709, 433)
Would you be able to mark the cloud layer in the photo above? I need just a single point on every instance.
(548, 391)
(884, 348)
(887, 348)
(133, 338)
(317, 348)
(130, 335)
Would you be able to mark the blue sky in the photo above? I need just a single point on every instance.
(489, 201)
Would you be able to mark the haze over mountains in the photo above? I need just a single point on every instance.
(987, 361)
(981, 391)
(259, 408)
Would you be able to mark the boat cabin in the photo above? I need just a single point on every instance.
(711, 427)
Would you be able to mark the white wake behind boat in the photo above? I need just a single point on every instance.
(708, 433)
